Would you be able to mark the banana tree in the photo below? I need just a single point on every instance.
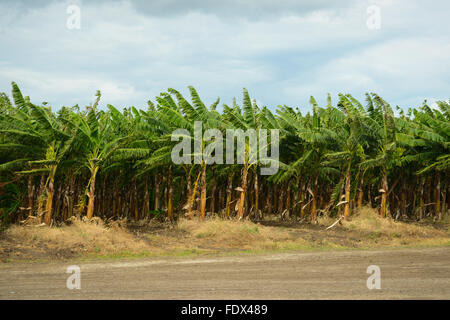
(96, 143)
(351, 130)
(316, 139)
(245, 119)
(42, 139)
(384, 153)
(427, 137)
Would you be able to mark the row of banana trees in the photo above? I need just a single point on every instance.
(113, 164)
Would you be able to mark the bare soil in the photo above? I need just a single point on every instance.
(405, 274)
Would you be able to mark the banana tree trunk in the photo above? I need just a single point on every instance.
(256, 186)
(50, 192)
(165, 193)
(243, 191)
(383, 209)
(135, 202)
(220, 200)
(269, 190)
(302, 203)
(438, 195)
(280, 200)
(403, 198)
(314, 200)
(40, 209)
(189, 191)
(119, 204)
(203, 193)
(30, 195)
(247, 204)
(301, 198)
(114, 199)
(146, 199)
(361, 192)
(194, 192)
(428, 196)
(157, 191)
(447, 191)
(170, 195)
(229, 191)
(295, 204)
(288, 200)
(130, 207)
(70, 204)
(412, 192)
(59, 197)
(212, 207)
(91, 193)
(444, 200)
(347, 192)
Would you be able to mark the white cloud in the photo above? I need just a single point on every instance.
(405, 69)
(133, 51)
(73, 90)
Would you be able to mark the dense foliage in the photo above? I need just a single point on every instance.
(109, 163)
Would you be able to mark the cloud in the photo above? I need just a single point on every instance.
(69, 88)
(235, 9)
(413, 67)
(283, 52)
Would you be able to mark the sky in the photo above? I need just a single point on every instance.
(282, 51)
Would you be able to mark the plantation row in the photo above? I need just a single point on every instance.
(103, 162)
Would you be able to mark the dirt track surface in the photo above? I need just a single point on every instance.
(405, 274)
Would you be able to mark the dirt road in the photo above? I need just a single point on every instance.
(407, 273)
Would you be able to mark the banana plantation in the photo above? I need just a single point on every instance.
(99, 161)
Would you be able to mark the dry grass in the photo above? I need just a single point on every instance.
(244, 235)
(368, 220)
(78, 237)
(375, 231)
(364, 230)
